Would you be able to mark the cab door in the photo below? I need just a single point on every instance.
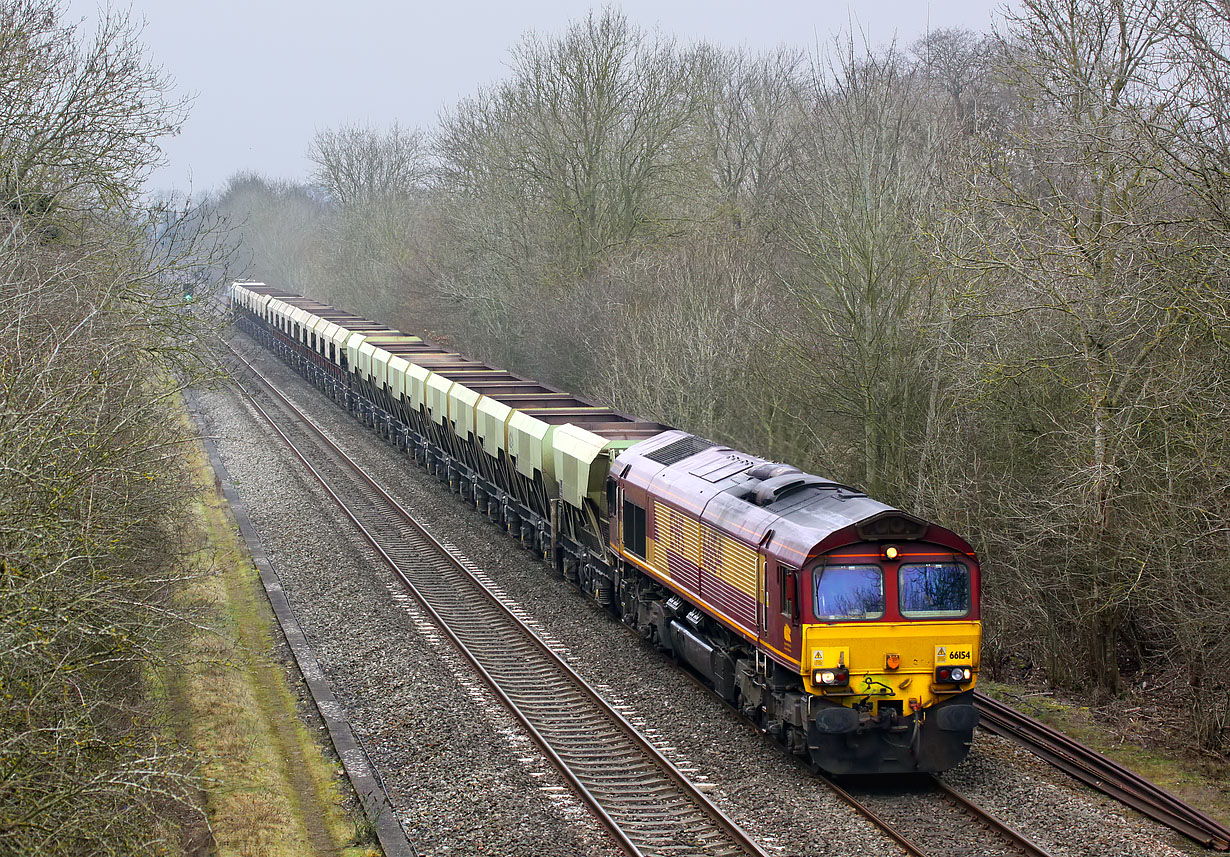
(762, 602)
(781, 622)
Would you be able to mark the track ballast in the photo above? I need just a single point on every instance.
(649, 806)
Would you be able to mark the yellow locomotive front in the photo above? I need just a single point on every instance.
(889, 655)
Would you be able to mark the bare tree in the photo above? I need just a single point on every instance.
(691, 313)
(1080, 245)
(959, 61)
(279, 229)
(853, 214)
(375, 182)
(93, 331)
(78, 122)
(750, 121)
(584, 127)
(360, 166)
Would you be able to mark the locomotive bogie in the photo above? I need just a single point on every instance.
(845, 740)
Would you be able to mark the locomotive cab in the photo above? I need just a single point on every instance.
(889, 655)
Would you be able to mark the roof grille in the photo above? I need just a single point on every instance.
(678, 450)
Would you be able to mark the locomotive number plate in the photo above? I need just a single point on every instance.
(953, 655)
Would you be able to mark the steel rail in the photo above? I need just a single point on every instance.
(889, 829)
(1101, 773)
(609, 780)
(912, 849)
(1007, 831)
(937, 788)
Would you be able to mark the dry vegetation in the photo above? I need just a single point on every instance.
(91, 487)
(270, 790)
(983, 278)
(103, 607)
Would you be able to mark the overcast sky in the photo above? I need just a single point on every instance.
(267, 73)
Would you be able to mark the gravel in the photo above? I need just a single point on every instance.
(1053, 810)
(464, 777)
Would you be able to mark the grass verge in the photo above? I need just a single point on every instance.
(272, 788)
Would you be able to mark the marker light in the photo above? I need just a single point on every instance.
(954, 674)
(891, 662)
(891, 552)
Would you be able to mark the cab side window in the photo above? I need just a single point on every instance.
(788, 589)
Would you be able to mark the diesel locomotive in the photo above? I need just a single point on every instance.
(847, 629)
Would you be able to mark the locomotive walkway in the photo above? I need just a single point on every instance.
(648, 805)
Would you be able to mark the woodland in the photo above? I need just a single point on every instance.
(981, 277)
(95, 346)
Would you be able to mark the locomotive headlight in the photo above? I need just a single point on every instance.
(958, 674)
(891, 552)
(831, 678)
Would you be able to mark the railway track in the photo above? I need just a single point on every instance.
(647, 804)
(935, 820)
(1101, 773)
(923, 835)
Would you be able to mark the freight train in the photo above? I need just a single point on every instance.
(847, 629)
